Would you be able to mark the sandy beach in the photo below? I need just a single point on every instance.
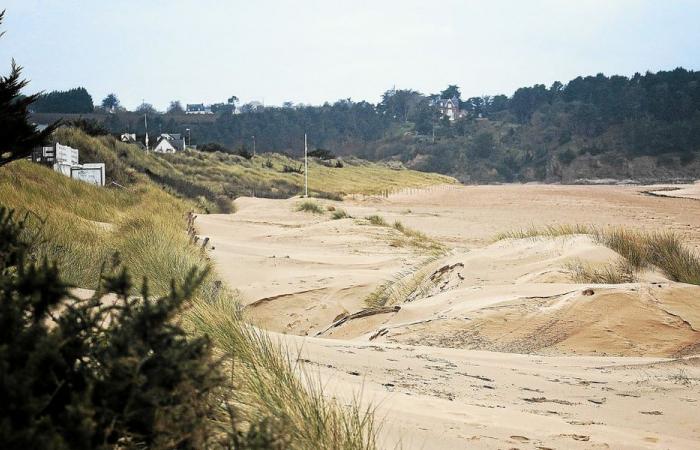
(498, 346)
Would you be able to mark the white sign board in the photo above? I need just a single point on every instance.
(66, 155)
(89, 173)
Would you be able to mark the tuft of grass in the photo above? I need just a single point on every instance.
(376, 220)
(664, 250)
(339, 214)
(548, 231)
(621, 272)
(270, 383)
(413, 282)
(310, 207)
(417, 239)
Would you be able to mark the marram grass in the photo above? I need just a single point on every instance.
(662, 249)
(81, 226)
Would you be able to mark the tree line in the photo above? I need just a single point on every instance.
(650, 114)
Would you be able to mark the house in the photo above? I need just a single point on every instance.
(130, 138)
(169, 143)
(449, 107)
(198, 108)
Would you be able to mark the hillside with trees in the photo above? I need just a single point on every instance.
(644, 127)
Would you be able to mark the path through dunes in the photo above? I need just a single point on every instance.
(495, 345)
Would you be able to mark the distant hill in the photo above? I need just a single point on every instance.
(645, 128)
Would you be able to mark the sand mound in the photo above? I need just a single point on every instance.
(545, 381)
(632, 320)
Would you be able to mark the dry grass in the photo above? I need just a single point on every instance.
(415, 238)
(309, 207)
(339, 214)
(83, 225)
(269, 382)
(376, 220)
(621, 272)
(213, 179)
(410, 283)
(664, 250)
(548, 231)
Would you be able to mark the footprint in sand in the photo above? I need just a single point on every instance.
(520, 438)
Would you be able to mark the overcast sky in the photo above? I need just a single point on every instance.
(316, 51)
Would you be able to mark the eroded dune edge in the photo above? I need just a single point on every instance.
(460, 340)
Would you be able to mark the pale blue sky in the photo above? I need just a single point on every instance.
(313, 51)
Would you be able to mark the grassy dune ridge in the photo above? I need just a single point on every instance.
(664, 250)
(212, 180)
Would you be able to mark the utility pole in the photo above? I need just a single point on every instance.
(306, 168)
(253, 145)
(145, 122)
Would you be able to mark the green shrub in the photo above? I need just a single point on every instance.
(104, 373)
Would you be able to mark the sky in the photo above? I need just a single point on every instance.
(310, 52)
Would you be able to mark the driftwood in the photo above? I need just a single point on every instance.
(362, 313)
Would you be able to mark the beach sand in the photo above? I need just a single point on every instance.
(500, 347)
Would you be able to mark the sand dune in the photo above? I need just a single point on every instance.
(492, 345)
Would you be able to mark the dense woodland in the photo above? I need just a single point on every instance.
(645, 127)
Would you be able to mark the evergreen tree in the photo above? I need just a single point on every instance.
(18, 136)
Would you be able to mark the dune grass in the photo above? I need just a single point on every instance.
(309, 206)
(270, 383)
(213, 179)
(376, 220)
(339, 214)
(620, 272)
(664, 250)
(547, 231)
(81, 226)
(415, 238)
(413, 282)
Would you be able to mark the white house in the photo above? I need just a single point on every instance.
(169, 143)
(449, 107)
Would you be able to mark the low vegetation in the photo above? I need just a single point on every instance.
(408, 236)
(107, 373)
(415, 238)
(81, 226)
(270, 383)
(309, 206)
(663, 250)
(620, 272)
(214, 179)
(411, 283)
(339, 214)
(376, 220)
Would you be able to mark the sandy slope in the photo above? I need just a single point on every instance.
(500, 349)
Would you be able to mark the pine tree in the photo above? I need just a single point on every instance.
(18, 136)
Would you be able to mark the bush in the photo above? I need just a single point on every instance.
(91, 127)
(213, 147)
(566, 157)
(103, 373)
(321, 154)
(292, 169)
